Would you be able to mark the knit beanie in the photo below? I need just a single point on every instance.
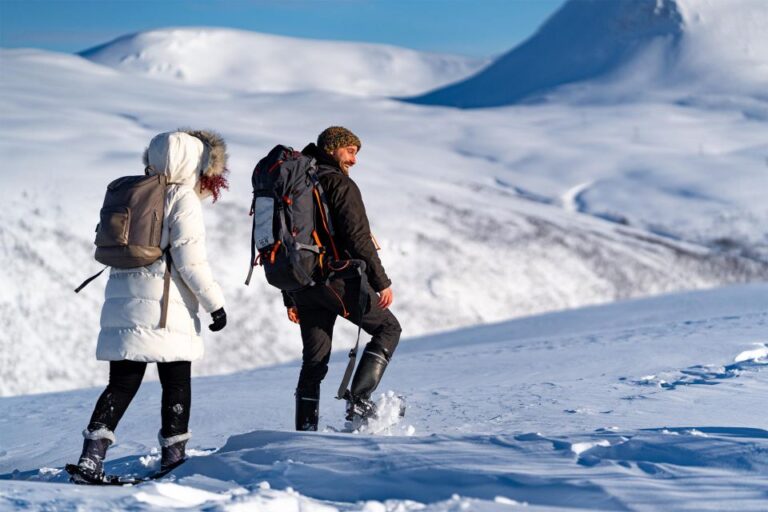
(336, 137)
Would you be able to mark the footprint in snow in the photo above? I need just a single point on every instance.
(708, 375)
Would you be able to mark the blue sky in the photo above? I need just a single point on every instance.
(469, 27)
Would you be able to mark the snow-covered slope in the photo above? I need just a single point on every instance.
(228, 59)
(630, 48)
(643, 405)
(483, 215)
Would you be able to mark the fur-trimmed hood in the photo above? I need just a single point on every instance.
(186, 155)
(215, 151)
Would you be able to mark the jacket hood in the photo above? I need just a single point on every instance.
(185, 155)
(215, 157)
(322, 157)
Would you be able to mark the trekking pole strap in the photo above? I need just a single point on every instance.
(250, 273)
(341, 395)
(166, 290)
(362, 298)
(253, 241)
(88, 281)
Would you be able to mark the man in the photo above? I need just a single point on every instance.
(315, 308)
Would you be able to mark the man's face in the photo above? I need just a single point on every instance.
(346, 157)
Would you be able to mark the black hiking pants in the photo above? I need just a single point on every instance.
(124, 381)
(318, 307)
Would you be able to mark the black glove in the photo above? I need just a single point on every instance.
(219, 320)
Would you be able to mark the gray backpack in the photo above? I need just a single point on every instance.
(131, 221)
(130, 228)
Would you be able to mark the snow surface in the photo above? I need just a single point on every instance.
(549, 412)
(645, 175)
(483, 215)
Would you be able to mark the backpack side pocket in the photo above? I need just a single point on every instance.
(114, 227)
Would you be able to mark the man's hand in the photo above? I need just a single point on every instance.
(293, 314)
(385, 298)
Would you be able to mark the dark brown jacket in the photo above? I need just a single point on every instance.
(352, 231)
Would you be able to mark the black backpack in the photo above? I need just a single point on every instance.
(287, 201)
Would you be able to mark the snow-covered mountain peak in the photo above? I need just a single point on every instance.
(639, 45)
(617, 22)
(254, 62)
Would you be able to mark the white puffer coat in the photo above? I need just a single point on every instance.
(130, 318)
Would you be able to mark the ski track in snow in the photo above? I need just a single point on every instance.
(572, 200)
(707, 374)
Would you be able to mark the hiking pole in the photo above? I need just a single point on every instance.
(341, 395)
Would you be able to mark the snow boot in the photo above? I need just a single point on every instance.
(359, 409)
(367, 377)
(307, 410)
(173, 450)
(90, 466)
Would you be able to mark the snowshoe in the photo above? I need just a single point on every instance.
(90, 466)
(365, 416)
(80, 476)
(360, 409)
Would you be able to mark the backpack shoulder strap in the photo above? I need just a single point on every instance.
(253, 240)
(325, 212)
(166, 289)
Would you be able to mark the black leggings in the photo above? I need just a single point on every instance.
(124, 381)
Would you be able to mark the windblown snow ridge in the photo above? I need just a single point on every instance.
(555, 471)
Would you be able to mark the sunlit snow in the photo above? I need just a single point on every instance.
(634, 172)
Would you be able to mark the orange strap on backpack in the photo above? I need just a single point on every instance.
(325, 223)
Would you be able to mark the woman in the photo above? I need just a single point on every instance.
(194, 163)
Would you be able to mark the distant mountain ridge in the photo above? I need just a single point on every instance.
(253, 62)
(642, 43)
